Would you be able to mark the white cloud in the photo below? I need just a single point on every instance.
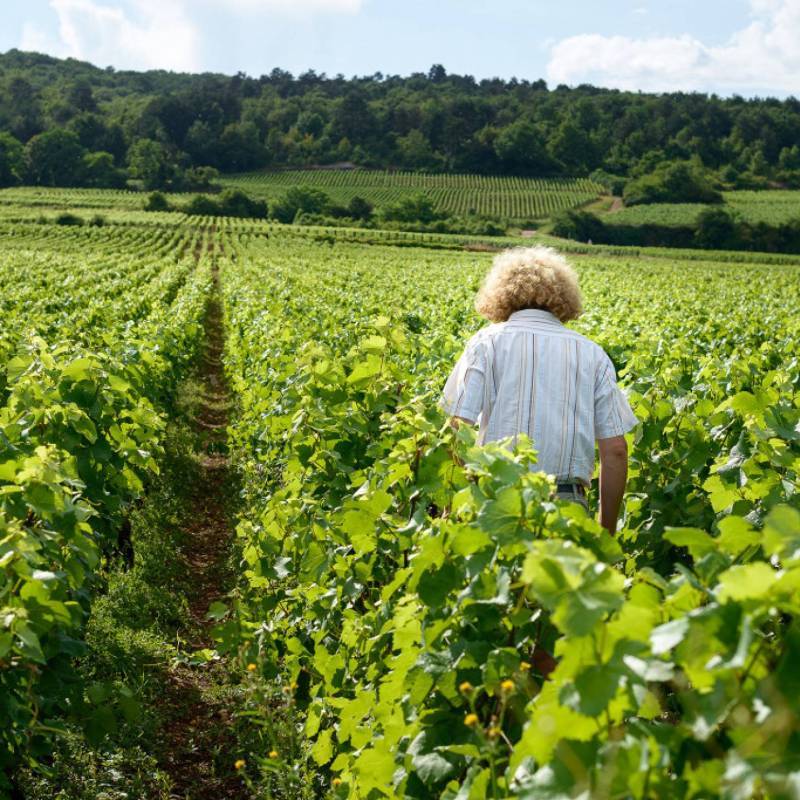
(762, 58)
(293, 7)
(159, 34)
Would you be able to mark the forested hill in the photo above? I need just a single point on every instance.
(68, 122)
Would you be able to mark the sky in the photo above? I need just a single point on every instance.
(746, 47)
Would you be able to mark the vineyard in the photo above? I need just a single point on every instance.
(505, 197)
(771, 207)
(392, 579)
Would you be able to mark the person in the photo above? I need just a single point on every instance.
(527, 373)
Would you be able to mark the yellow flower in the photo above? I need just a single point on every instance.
(337, 781)
(273, 753)
(251, 667)
(507, 686)
(524, 666)
(471, 720)
(493, 733)
(239, 763)
(465, 687)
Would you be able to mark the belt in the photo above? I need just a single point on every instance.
(576, 487)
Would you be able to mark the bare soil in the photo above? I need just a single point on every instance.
(197, 735)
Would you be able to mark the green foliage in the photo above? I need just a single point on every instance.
(231, 203)
(54, 158)
(300, 200)
(150, 163)
(715, 229)
(417, 208)
(157, 201)
(81, 424)
(521, 199)
(403, 578)
(423, 122)
(99, 171)
(359, 208)
(64, 490)
(68, 218)
(741, 224)
(580, 225)
(12, 163)
(613, 184)
(678, 182)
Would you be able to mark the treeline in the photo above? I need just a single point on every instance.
(715, 228)
(158, 126)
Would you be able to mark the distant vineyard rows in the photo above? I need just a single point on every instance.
(507, 197)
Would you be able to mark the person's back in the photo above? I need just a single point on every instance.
(529, 374)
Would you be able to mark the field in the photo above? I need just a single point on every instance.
(771, 207)
(388, 582)
(507, 198)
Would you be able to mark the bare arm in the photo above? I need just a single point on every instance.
(613, 476)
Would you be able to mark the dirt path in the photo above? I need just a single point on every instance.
(198, 731)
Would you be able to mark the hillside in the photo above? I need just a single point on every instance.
(156, 126)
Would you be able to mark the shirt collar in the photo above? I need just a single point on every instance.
(535, 315)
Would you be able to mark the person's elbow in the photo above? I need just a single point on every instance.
(613, 449)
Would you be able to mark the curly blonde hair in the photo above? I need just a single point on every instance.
(529, 277)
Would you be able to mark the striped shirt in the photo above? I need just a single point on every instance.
(533, 375)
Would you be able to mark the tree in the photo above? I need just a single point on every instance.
(521, 148)
(437, 74)
(311, 123)
(359, 208)
(240, 148)
(415, 151)
(148, 161)
(80, 96)
(300, 200)
(25, 117)
(202, 144)
(571, 146)
(417, 208)
(235, 203)
(12, 160)
(55, 158)
(672, 182)
(99, 171)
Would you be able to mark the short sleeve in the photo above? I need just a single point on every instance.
(464, 391)
(613, 415)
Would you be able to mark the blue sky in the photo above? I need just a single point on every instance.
(727, 46)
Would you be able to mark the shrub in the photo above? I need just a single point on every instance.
(300, 200)
(417, 208)
(68, 219)
(579, 225)
(235, 203)
(203, 206)
(157, 201)
(231, 203)
(613, 184)
(716, 229)
(359, 208)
